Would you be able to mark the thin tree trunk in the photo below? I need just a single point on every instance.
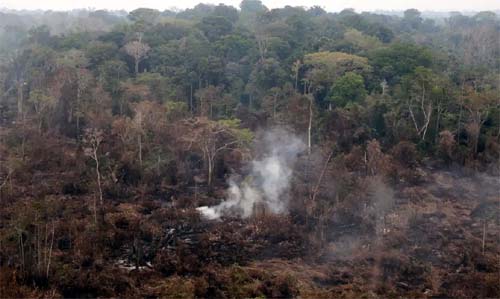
(428, 119)
(210, 170)
(4, 183)
(484, 234)
(209, 158)
(191, 97)
(158, 165)
(135, 248)
(99, 183)
(139, 141)
(23, 143)
(297, 69)
(274, 105)
(413, 117)
(45, 244)
(78, 95)
(309, 128)
(38, 251)
(476, 143)
(20, 99)
(98, 173)
(121, 106)
(40, 124)
(460, 113)
(95, 211)
(50, 251)
(436, 135)
(320, 179)
(21, 244)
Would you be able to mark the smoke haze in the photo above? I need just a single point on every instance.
(269, 179)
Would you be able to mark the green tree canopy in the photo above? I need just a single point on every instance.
(350, 88)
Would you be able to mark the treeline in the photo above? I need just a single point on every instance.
(337, 79)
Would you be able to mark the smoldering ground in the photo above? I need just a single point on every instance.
(392, 235)
(269, 179)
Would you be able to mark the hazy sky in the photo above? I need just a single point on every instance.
(329, 5)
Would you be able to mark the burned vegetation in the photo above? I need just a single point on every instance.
(252, 153)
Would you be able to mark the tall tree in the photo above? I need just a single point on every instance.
(213, 138)
(92, 140)
(138, 51)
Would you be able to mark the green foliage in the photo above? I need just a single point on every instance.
(99, 52)
(112, 73)
(228, 12)
(176, 110)
(159, 85)
(143, 18)
(397, 60)
(330, 65)
(215, 27)
(233, 47)
(350, 88)
(324, 68)
(73, 59)
(243, 135)
(40, 35)
(258, 65)
(267, 74)
(252, 6)
(412, 19)
(216, 61)
(360, 41)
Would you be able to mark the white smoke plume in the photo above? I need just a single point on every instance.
(268, 182)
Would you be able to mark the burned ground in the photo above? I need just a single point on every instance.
(427, 243)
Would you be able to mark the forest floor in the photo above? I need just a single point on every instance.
(440, 238)
(429, 244)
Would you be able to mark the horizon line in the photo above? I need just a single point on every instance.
(177, 9)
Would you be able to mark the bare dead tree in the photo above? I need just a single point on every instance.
(50, 250)
(425, 106)
(93, 139)
(262, 44)
(212, 138)
(321, 176)
(296, 69)
(138, 51)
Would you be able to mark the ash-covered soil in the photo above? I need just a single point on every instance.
(438, 238)
(427, 242)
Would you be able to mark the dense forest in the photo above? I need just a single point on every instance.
(222, 152)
